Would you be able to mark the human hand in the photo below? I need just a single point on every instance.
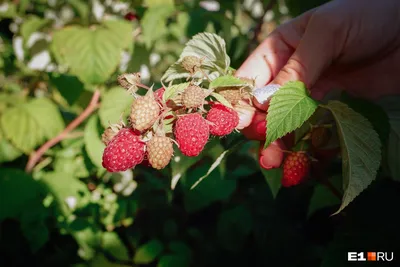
(352, 45)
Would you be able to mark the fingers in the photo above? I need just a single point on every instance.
(256, 130)
(272, 156)
(316, 51)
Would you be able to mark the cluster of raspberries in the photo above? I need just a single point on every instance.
(192, 116)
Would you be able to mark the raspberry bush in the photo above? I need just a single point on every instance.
(122, 143)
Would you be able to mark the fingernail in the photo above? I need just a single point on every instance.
(265, 93)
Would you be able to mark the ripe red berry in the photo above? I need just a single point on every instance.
(124, 151)
(191, 134)
(131, 16)
(295, 169)
(223, 120)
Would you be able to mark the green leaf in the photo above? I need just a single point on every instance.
(31, 25)
(173, 90)
(112, 244)
(7, 151)
(392, 154)
(211, 49)
(70, 87)
(47, 116)
(92, 54)
(273, 178)
(153, 3)
(154, 23)
(148, 252)
(69, 191)
(221, 99)
(116, 102)
(39, 117)
(215, 164)
(289, 108)
(175, 260)
(17, 190)
(227, 81)
(212, 189)
(94, 145)
(179, 165)
(323, 197)
(81, 7)
(234, 226)
(361, 150)
(373, 112)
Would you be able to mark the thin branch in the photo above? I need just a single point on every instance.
(35, 156)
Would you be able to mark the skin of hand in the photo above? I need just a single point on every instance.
(345, 44)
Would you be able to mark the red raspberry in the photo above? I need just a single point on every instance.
(295, 168)
(224, 120)
(124, 151)
(191, 134)
(130, 16)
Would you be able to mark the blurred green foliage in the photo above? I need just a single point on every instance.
(70, 212)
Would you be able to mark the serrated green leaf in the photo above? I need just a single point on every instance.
(154, 22)
(116, 102)
(273, 178)
(92, 54)
(289, 108)
(211, 48)
(148, 252)
(173, 90)
(221, 99)
(227, 81)
(31, 25)
(94, 145)
(361, 150)
(39, 117)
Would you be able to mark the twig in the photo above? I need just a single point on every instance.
(35, 156)
(331, 188)
(267, 6)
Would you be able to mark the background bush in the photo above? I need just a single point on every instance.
(66, 210)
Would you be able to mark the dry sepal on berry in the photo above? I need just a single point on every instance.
(191, 134)
(295, 169)
(223, 120)
(159, 151)
(111, 131)
(144, 112)
(233, 94)
(130, 81)
(124, 151)
(193, 96)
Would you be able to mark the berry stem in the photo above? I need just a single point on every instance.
(36, 155)
(143, 86)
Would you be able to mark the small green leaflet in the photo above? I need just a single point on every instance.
(289, 108)
(173, 90)
(114, 106)
(221, 99)
(361, 150)
(227, 81)
(148, 252)
(207, 46)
